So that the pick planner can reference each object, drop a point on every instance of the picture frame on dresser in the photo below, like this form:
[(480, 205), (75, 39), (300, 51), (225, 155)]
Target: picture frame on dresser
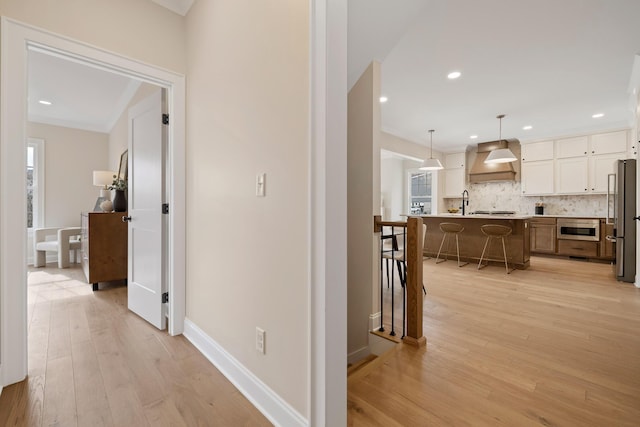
[(123, 168)]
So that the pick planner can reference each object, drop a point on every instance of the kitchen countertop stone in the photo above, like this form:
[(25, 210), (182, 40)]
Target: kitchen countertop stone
[(512, 216), (567, 216), (477, 216)]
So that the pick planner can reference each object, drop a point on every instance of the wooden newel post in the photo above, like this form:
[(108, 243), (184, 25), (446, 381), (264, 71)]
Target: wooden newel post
[(414, 283), (377, 228)]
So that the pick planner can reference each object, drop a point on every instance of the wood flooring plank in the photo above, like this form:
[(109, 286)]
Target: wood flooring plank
[(21, 404), (94, 363), (59, 336), (78, 324), (59, 393), (91, 397), (554, 345), (125, 406)]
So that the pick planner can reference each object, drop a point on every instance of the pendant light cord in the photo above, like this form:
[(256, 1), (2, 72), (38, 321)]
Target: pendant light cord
[(500, 116), (431, 144)]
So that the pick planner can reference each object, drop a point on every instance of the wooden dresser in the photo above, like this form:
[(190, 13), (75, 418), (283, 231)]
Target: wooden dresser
[(104, 247)]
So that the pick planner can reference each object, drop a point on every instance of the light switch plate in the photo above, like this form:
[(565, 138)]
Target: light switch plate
[(261, 181)]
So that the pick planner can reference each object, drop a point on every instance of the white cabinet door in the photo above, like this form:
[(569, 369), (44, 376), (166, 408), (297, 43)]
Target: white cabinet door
[(537, 151), (537, 178), (454, 160), (453, 182), (572, 176), (608, 143), (572, 147), (599, 169)]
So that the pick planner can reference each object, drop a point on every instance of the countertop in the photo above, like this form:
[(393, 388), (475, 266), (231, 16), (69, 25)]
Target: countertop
[(477, 216), (513, 216), (567, 216)]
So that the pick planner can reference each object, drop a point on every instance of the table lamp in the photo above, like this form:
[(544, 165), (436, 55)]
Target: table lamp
[(103, 179)]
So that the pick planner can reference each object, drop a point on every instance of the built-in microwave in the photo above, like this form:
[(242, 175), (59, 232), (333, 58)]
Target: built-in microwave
[(578, 229)]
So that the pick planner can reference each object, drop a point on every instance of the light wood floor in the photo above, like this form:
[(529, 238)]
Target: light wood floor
[(555, 345), (94, 363)]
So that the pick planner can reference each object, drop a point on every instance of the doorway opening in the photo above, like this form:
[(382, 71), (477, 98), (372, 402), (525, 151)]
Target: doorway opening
[(18, 40)]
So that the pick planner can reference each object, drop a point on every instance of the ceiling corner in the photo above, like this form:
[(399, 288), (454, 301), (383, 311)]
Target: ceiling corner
[(181, 7)]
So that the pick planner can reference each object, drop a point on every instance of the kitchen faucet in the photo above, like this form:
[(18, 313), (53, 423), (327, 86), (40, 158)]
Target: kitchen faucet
[(463, 199)]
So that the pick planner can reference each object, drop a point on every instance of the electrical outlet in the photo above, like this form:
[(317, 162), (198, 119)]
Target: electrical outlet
[(260, 343)]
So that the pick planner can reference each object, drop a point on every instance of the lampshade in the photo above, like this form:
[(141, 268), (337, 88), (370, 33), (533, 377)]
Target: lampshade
[(431, 164), (501, 155), (102, 178)]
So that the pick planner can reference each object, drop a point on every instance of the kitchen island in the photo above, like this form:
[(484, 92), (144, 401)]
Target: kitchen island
[(472, 239)]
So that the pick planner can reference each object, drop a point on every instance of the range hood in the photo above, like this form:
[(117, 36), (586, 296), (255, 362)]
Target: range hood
[(483, 172)]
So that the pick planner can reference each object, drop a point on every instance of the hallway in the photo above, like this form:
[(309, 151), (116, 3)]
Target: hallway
[(94, 363)]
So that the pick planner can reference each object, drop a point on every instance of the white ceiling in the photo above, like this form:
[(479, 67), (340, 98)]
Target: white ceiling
[(549, 64), (180, 7), (81, 96), (546, 63)]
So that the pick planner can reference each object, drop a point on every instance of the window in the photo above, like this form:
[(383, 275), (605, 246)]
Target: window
[(422, 186), (35, 183)]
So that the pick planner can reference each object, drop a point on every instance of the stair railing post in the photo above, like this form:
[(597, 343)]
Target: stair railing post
[(413, 258)]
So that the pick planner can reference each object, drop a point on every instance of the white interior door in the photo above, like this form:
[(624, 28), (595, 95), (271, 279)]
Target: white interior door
[(146, 191)]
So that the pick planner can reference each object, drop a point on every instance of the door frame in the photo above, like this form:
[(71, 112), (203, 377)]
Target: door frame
[(16, 38)]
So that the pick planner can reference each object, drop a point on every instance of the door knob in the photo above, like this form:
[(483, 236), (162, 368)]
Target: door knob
[(126, 218)]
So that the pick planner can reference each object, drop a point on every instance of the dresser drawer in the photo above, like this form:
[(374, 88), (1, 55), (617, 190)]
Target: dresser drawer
[(577, 248)]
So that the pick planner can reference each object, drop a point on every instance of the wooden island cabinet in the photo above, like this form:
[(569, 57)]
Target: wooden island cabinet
[(472, 239), (543, 235), (104, 247)]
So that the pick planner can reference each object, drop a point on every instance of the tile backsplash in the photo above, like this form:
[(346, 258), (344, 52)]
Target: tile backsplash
[(505, 196)]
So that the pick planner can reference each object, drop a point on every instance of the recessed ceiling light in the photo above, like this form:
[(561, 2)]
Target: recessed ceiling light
[(473, 136), (528, 127), (383, 99), (44, 102), (598, 115), (454, 75)]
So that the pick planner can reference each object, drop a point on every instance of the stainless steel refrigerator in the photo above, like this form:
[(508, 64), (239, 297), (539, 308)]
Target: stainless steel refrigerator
[(621, 200)]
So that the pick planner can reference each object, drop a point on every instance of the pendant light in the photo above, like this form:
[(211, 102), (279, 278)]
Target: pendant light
[(431, 164), (501, 155)]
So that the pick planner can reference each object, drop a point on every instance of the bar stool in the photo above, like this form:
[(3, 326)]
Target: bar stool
[(450, 229), (495, 231)]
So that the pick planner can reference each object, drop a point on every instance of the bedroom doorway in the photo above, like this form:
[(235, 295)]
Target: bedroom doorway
[(17, 40)]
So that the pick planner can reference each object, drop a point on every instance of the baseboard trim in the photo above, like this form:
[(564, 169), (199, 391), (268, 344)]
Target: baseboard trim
[(358, 355), (272, 406), (374, 321)]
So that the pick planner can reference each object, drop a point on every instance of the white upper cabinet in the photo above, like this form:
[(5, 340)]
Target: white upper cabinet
[(454, 160), (572, 147), (454, 174), (608, 143), (537, 178), (577, 165), (537, 151), (572, 176), (600, 168)]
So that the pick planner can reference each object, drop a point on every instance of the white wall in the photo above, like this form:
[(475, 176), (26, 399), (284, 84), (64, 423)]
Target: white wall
[(138, 29), (392, 184), (418, 151), (363, 202), (248, 113), (119, 135), (71, 156)]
